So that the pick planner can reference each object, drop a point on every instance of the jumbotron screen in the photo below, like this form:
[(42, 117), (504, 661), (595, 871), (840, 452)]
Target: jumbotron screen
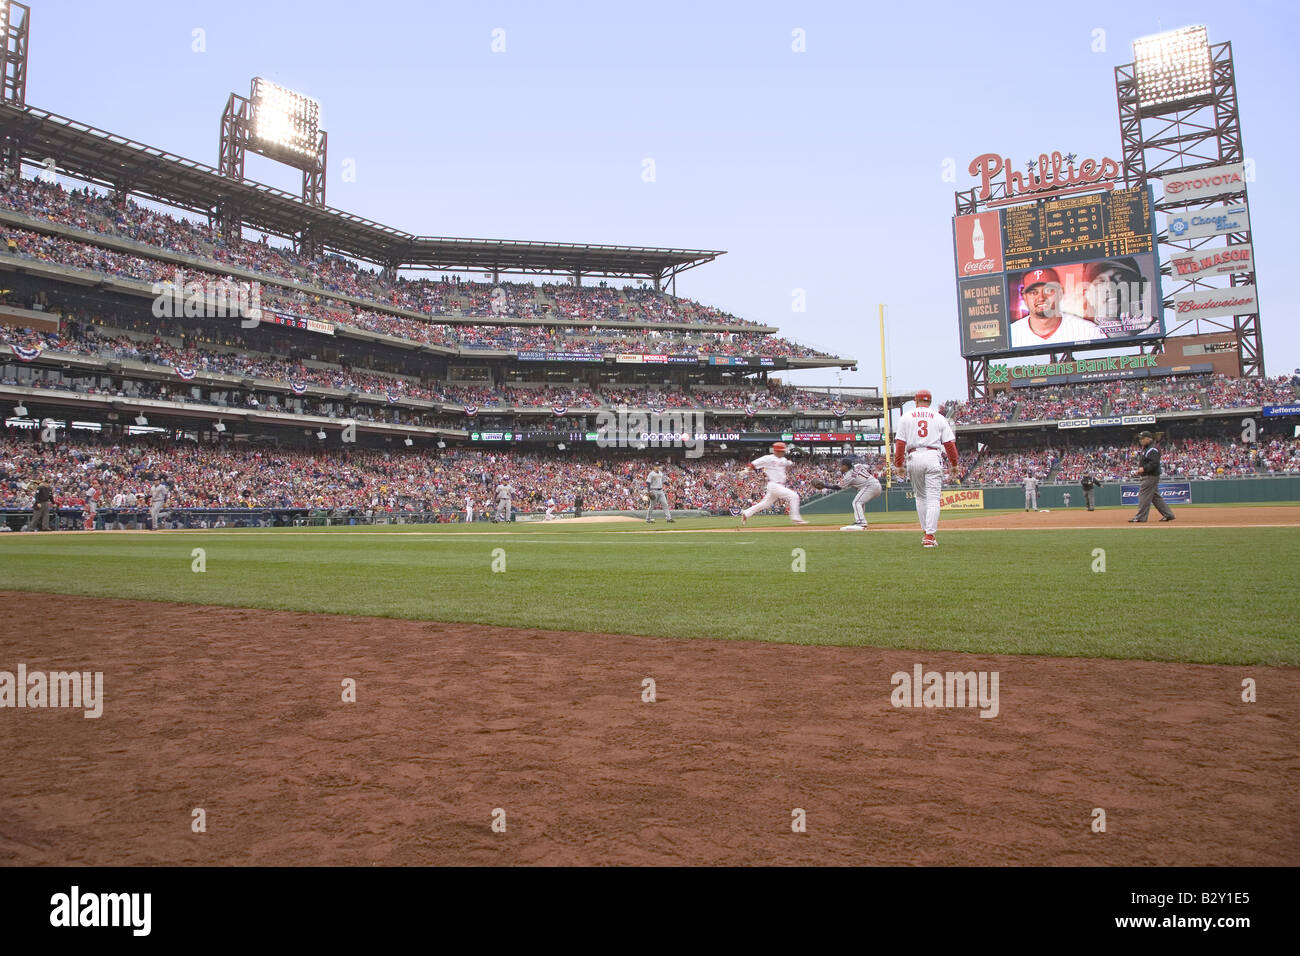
[(1058, 273)]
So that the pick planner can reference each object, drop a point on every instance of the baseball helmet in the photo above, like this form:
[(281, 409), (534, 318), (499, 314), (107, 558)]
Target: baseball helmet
[(849, 460), (923, 396), (778, 446), (1146, 434), (1037, 277)]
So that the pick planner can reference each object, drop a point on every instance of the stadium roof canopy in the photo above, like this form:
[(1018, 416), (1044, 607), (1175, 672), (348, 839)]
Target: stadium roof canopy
[(94, 155)]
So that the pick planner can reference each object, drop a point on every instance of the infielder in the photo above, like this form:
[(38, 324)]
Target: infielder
[(504, 493), (775, 466), (157, 502), (855, 474), (1031, 493), (469, 509), (654, 483), (550, 509), (924, 436)]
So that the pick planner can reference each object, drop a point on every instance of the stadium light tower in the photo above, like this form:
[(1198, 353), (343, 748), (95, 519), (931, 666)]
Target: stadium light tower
[(14, 21), (1178, 113), (282, 125)]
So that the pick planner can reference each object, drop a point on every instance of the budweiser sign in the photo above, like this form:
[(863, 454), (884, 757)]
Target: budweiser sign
[(1204, 183), (1054, 173), (1238, 300), (1213, 262)]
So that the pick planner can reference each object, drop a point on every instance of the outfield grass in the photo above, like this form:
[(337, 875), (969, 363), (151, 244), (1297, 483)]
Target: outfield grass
[(1215, 595)]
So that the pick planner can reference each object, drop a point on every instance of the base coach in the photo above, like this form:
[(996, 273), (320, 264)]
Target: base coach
[(1149, 489)]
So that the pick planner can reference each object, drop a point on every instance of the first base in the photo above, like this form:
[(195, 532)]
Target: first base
[(853, 527)]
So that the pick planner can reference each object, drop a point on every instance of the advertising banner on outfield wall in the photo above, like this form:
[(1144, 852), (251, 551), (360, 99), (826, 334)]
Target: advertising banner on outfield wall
[(1200, 223), (1204, 183), (962, 499), (1174, 493), (1213, 262)]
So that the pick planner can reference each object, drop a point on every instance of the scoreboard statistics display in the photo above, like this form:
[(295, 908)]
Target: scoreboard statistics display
[(1057, 273)]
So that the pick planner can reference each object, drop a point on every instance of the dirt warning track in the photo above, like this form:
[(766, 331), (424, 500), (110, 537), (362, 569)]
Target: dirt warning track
[(239, 712)]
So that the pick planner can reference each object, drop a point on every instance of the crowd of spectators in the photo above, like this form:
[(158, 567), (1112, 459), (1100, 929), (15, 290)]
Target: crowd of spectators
[(87, 209), (107, 343), (1133, 397), (226, 476)]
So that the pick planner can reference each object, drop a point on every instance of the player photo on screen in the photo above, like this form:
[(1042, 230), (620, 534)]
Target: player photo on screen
[(1084, 303)]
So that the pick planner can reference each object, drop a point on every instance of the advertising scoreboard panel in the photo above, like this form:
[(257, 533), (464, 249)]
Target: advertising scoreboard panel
[(1058, 273)]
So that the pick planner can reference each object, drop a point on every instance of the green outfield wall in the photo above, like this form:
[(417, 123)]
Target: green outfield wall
[(1226, 491)]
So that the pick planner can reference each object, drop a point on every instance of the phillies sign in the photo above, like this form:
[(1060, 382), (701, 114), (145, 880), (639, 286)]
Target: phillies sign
[(1204, 183), (1052, 173)]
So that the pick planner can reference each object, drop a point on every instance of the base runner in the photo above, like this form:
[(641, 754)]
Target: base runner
[(925, 437), (856, 474), (775, 466)]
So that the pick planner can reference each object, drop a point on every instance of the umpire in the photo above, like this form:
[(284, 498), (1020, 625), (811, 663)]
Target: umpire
[(1089, 485), (1149, 489)]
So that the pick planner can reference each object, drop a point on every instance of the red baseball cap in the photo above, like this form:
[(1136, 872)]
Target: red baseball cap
[(1037, 277), (778, 446), (923, 395)]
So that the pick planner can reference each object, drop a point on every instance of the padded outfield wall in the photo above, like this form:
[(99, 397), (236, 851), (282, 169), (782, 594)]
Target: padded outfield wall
[(1222, 491)]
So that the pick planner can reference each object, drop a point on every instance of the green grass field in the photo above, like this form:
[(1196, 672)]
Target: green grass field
[(1179, 594)]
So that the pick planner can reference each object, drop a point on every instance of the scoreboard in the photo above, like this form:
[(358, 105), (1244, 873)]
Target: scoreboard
[(1098, 226), (1058, 273)]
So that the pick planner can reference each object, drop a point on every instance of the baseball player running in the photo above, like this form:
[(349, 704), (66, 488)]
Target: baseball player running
[(504, 493), (654, 483), (855, 474), (1031, 493), (775, 466), (925, 436), (157, 502)]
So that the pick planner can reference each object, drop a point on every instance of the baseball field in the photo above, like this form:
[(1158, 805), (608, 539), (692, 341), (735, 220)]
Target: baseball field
[(616, 692)]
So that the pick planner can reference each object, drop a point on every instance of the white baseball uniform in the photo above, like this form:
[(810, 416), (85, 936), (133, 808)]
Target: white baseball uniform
[(550, 509), (1071, 329), (1031, 492), (776, 469), (925, 435), (861, 478), (469, 509)]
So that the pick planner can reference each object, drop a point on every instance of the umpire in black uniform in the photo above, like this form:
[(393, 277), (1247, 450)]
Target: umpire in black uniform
[(1089, 485), (1149, 489)]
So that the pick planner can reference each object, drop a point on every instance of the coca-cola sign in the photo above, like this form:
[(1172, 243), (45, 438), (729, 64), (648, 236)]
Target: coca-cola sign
[(1050, 174), (978, 239)]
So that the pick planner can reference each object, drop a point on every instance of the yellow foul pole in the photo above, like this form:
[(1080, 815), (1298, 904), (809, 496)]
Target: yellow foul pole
[(884, 390)]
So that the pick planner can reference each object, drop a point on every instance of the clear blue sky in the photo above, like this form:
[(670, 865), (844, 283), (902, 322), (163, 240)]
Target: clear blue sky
[(818, 171)]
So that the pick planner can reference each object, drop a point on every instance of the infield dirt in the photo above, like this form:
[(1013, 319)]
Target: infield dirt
[(239, 712)]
